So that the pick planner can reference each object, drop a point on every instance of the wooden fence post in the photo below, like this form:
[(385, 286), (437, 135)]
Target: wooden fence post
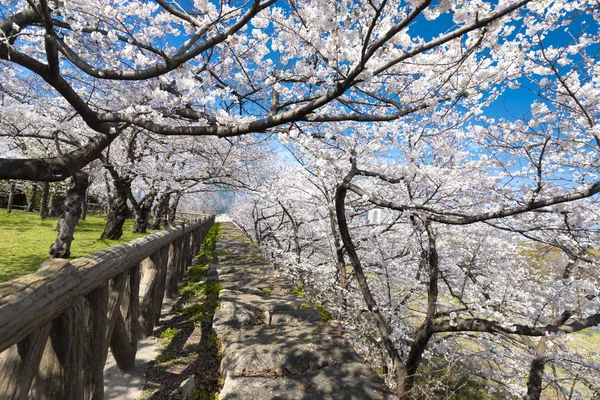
[(60, 374), (123, 342), (172, 275), (94, 368), (19, 364), (147, 284), (160, 259)]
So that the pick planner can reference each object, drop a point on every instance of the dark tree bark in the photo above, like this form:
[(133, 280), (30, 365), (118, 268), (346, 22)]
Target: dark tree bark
[(70, 216), (11, 197), (56, 205), (430, 262), (160, 211), (538, 364), (404, 374), (118, 209), (536, 374), (173, 208), (342, 275), (31, 202), (44, 200), (142, 212), (55, 169), (85, 206)]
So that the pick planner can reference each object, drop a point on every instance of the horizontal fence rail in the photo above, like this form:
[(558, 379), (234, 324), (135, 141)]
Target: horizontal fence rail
[(184, 216), (57, 324)]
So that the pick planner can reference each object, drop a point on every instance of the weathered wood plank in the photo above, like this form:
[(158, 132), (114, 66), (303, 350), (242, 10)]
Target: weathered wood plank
[(96, 344), (64, 316), (185, 251), (123, 341), (133, 307), (179, 265), (19, 364), (195, 244), (160, 260), (172, 272), (69, 344), (60, 375), (146, 297), (122, 348), (116, 291), (189, 258), (197, 240)]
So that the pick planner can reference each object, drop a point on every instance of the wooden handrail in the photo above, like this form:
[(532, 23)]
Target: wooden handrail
[(185, 216), (62, 319)]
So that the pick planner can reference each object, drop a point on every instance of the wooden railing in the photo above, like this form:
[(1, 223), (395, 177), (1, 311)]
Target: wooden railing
[(57, 324), (183, 216)]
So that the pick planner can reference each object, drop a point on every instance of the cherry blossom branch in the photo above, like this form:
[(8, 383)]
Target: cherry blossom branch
[(393, 31), (483, 325), (179, 14), (479, 23), (462, 219), (303, 112), (162, 68), (130, 40), (54, 169), (360, 117)]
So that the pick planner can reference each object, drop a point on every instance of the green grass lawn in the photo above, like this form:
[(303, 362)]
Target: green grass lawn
[(25, 241)]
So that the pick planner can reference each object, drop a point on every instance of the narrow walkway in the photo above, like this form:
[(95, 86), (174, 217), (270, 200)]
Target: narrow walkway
[(119, 385), (273, 345)]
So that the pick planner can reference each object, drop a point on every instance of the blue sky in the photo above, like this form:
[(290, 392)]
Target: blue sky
[(513, 103)]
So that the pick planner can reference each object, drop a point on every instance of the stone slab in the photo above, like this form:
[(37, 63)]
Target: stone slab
[(349, 381), (283, 350)]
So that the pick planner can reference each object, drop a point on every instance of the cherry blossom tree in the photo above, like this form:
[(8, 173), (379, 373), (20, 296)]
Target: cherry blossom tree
[(467, 279), (326, 62), (390, 105), (469, 195)]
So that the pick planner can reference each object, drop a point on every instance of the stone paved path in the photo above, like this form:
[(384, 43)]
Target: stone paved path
[(274, 347)]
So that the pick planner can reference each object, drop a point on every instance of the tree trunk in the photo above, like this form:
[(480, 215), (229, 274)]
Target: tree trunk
[(56, 205), (85, 206), (11, 197), (429, 262), (44, 200), (118, 210), (382, 325), (536, 374), (342, 273), (31, 202), (295, 228), (406, 378), (70, 216), (173, 208), (142, 213), (161, 210)]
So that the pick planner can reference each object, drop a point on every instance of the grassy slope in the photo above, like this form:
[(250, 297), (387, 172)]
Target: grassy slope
[(25, 241)]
